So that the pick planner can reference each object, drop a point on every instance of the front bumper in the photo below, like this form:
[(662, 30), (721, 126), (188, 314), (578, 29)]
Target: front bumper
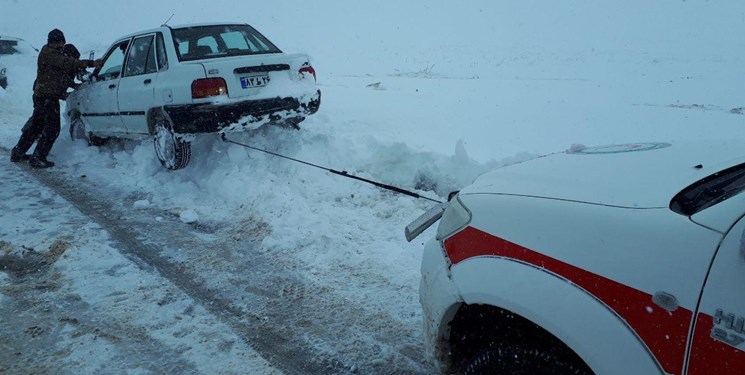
[(440, 301), (210, 117)]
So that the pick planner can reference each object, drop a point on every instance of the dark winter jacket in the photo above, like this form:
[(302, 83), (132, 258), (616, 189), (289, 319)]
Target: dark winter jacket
[(53, 72)]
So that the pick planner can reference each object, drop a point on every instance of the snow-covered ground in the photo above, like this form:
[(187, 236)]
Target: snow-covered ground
[(424, 95)]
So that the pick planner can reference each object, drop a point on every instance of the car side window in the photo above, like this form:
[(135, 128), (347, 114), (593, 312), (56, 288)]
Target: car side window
[(141, 57), (162, 56), (112, 65)]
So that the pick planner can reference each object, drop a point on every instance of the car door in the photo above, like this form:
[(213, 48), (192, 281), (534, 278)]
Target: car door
[(718, 345), (137, 86), (99, 104)]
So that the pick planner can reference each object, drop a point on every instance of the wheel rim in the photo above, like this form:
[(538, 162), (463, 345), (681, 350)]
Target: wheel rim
[(165, 145)]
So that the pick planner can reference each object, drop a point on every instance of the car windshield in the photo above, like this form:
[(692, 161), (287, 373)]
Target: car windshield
[(710, 191), (207, 42)]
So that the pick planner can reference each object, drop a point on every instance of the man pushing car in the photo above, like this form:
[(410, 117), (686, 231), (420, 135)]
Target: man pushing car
[(52, 81)]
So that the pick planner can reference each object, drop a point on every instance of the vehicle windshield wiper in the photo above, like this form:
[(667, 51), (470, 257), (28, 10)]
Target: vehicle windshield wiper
[(712, 190)]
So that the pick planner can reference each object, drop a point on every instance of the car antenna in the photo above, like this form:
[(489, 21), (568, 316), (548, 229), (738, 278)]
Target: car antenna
[(169, 18), (27, 42)]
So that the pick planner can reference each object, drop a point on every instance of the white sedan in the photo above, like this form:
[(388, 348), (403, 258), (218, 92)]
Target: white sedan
[(170, 83), (625, 259)]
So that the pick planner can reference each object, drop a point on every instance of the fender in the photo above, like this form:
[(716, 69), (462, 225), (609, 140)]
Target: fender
[(600, 337), (617, 258)]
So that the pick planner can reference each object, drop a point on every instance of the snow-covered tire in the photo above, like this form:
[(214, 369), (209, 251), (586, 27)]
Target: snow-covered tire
[(173, 151), (511, 359), (78, 133)]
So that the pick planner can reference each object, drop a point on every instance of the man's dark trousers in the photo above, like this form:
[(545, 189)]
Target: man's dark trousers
[(46, 122)]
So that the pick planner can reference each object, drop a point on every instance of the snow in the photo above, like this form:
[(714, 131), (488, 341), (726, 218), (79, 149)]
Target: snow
[(141, 204), (424, 95), (189, 216)]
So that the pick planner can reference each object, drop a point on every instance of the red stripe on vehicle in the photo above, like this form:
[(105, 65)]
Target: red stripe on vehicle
[(712, 356), (665, 333)]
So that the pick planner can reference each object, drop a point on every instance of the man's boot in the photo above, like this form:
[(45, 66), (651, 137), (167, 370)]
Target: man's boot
[(35, 162), (16, 155)]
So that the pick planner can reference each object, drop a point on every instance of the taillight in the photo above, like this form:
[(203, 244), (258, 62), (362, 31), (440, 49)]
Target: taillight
[(206, 87), (307, 69)]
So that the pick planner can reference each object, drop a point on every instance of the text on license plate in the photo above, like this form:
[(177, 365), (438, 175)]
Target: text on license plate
[(254, 81)]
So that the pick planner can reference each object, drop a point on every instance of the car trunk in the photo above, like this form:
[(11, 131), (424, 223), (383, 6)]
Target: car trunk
[(253, 75)]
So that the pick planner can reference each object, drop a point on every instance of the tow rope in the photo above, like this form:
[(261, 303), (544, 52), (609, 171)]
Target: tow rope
[(340, 173)]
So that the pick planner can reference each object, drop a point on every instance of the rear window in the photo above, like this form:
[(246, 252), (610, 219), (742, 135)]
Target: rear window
[(709, 191), (207, 42), (8, 47)]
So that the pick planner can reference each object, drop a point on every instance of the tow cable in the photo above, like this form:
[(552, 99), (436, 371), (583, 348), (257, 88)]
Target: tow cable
[(340, 173), (414, 229)]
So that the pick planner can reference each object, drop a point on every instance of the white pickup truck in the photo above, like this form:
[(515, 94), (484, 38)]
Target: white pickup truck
[(624, 259)]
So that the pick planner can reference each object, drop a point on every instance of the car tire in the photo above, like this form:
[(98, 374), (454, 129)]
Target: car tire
[(173, 151), (78, 133), (513, 359)]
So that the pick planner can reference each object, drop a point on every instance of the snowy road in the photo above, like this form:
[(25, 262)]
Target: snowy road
[(287, 269), (266, 301)]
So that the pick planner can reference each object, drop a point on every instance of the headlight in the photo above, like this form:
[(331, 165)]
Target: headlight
[(455, 218)]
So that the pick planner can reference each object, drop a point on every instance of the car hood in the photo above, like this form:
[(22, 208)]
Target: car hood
[(638, 175)]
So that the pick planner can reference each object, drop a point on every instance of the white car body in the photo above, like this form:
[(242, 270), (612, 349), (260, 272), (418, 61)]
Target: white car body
[(170, 82), (585, 245)]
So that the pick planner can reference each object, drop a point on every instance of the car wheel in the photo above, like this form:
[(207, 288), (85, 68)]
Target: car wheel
[(512, 359), (78, 133), (173, 151)]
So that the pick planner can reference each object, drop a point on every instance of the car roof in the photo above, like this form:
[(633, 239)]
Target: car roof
[(638, 175), (168, 27)]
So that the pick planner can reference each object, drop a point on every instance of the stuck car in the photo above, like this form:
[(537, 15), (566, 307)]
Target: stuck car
[(172, 83), (624, 259)]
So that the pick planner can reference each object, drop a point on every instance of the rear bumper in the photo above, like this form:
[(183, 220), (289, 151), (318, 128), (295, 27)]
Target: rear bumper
[(210, 118)]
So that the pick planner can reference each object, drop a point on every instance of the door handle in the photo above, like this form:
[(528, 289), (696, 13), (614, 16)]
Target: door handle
[(111, 86), (147, 81)]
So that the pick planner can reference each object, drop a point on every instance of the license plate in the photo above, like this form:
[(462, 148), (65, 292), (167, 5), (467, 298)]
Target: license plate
[(254, 81)]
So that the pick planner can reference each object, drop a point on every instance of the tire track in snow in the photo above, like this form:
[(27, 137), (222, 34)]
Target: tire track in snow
[(282, 315)]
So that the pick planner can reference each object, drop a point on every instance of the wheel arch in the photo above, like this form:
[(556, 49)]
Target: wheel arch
[(476, 328), (521, 298)]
